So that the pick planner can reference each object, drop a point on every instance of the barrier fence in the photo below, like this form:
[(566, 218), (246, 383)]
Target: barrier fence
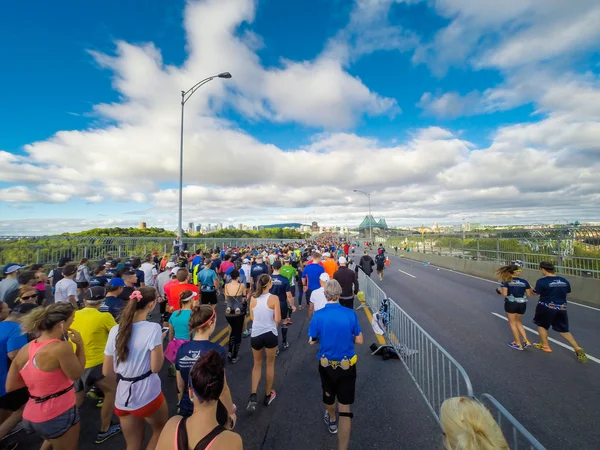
[(437, 375), (573, 250), (49, 250)]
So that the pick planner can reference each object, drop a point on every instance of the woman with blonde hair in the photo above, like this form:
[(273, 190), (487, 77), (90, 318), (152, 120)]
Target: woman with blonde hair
[(468, 425), (515, 291)]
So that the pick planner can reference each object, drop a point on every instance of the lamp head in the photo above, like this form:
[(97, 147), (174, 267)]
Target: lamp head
[(224, 75)]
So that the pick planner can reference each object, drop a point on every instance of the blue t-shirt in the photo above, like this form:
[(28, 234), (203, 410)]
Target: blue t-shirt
[(553, 289), (312, 272), (280, 287), (115, 305), (140, 277), (11, 339), (335, 326), (196, 261), (180, 321), (99, 281), (206, 279), (216, 265), (517, 288), (187, 355), (257, 270)]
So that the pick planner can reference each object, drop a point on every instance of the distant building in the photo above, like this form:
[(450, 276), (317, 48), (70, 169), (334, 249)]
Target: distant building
[(208, 228), (457, 228), (142, 225), (240, 226), (315, 227), (198, 228), (219, 226)]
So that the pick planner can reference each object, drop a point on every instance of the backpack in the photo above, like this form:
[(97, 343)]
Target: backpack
[(293, 257)]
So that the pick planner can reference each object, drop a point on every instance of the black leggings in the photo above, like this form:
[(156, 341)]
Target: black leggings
[(236, 322)]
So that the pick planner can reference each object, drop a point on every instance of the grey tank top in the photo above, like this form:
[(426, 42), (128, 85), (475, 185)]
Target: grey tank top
[(234, 303)]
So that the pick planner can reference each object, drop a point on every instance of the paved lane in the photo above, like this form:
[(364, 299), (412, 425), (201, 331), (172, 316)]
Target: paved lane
[(556, 398), (390, 414)]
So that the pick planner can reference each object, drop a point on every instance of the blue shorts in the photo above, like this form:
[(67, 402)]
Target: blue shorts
[(56, 427)]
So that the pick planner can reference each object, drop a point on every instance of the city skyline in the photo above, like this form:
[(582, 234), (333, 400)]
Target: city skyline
[(441, 111)]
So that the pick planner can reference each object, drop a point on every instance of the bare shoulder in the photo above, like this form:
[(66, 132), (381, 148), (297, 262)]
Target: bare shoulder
[(22, 356), (228, 440)]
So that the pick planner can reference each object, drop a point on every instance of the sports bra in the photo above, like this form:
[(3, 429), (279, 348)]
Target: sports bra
[(181, 437)]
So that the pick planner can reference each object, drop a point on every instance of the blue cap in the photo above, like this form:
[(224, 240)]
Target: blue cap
[(11, 268), (116, 282)]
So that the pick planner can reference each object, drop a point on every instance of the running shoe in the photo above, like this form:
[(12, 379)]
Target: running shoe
[(331, 426), (113, 430), (252, 403), (581, 356), (246, 333), (234, 360), (100, 403), (286, 345), (526, 344), (269, 398), (277, 352), (95, 393), (516, 346), (300, 307), (541, 347)]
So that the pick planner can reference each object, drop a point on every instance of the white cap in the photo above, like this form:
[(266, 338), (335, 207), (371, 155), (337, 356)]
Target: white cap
[(343, 260), (327, 255), (175, 270), (324, 277), (246, 260), (170, 265)]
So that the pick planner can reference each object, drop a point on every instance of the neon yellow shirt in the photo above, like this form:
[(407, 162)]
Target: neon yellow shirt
[(93, 326)]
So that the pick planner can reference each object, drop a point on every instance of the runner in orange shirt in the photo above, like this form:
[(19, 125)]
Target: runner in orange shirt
[(176, 289), (329, 264)]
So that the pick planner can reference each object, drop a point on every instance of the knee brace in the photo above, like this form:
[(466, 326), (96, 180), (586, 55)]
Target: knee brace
[(346, 414)]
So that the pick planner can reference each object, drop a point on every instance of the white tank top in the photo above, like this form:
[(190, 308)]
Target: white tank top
[(264, 317)]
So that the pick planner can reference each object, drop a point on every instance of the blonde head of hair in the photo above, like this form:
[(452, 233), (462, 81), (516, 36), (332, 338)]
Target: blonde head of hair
[(468, 425)]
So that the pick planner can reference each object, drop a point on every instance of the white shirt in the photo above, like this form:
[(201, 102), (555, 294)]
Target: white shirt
[(150, 273), (246, 268), (145, 336), (264, 317), (317, 298), (65, 288)]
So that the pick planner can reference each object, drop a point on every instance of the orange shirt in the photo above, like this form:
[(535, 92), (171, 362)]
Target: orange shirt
[(330, 267), (176, 290)]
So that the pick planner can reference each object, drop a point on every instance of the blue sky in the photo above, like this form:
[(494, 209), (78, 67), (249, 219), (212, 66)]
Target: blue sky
[(443, 109)]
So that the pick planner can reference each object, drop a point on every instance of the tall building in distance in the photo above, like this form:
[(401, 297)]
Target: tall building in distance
[(190, 228), (219, 226), (240, 226), (198, 228), (142, 225), (208, 228)]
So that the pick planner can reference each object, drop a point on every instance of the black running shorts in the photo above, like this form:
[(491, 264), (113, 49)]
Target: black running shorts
[(515, 308), (208, 298), (338, 384), (545, 317), (265, 340)]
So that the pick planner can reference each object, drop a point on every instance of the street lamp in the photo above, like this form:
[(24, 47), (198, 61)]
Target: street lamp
[(368, 195), (185, 96)]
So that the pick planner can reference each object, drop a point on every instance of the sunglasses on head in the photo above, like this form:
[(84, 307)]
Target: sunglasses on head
[(27, 297)]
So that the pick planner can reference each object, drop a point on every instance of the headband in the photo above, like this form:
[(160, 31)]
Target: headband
[(208, 321), (187, 299), (136, 295)]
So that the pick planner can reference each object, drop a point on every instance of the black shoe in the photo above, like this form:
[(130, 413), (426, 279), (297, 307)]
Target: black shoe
[(252, 403), (269, 398)]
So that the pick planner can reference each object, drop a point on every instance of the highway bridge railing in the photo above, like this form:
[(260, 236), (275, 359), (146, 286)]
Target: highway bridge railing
[(437, 375), (574, 250), (49, 250)]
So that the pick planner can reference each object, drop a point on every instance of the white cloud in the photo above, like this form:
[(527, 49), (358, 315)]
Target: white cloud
[(450, 104)]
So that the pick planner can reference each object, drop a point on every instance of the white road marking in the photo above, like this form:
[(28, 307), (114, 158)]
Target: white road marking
[(406, 273), (497, 283), (568, 347)]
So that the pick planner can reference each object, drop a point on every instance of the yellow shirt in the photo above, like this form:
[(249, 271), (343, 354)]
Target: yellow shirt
[(93, 326)]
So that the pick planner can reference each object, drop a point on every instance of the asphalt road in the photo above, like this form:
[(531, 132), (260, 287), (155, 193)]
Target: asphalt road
[(555, 397), (389, 412)]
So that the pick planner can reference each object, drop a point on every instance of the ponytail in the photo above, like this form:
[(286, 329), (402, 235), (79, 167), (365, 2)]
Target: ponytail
[(44, 318), (261, 284), (137, 301), (203, 316), (505, 273), (184, 298)]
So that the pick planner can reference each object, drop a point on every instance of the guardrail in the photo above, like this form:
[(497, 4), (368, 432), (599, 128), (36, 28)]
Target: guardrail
[(573, 250), (437, 375), (515, 433), (49, 250)]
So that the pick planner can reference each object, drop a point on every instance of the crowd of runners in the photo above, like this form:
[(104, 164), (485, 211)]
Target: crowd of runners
[(106, 332)]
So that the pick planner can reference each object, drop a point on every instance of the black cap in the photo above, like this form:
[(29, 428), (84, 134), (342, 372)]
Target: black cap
[(95, 293), (63, 261)]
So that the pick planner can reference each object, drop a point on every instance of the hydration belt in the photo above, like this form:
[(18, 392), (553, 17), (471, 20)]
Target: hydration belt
[(512, 299), (133, 380), (56, 394), (551, 305), (344, 364)]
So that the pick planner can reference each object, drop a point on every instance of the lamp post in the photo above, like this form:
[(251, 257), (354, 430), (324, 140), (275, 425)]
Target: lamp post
[(185, 96), (368, 195)]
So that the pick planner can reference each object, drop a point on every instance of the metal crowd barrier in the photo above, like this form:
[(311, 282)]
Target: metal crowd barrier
[(514, 432), (437, 375)]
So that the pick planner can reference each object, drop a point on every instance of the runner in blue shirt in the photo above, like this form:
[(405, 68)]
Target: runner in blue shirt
[(336, 329), (515, 291), (310, 276), (551, 309)]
